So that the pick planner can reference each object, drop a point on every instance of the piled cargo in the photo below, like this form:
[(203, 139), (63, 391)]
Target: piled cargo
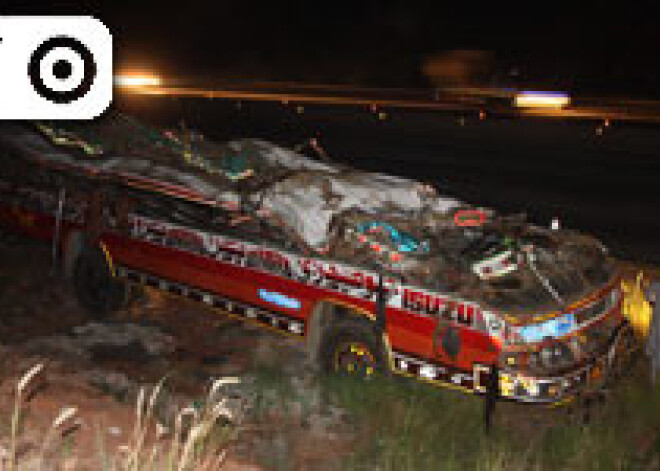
[(379, 221)]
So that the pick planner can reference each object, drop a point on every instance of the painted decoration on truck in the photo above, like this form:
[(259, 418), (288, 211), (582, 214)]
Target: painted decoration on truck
[(329, 275)]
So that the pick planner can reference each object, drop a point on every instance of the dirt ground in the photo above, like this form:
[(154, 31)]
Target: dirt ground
[(36, 303)]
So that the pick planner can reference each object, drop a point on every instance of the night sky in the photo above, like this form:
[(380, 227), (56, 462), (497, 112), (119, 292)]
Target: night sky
[(601, 49)]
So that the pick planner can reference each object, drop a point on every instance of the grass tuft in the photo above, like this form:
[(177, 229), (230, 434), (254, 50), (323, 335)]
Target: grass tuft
[(198, 442), (405, 425)]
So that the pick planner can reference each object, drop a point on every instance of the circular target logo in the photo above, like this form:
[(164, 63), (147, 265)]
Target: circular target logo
[(62, 69)]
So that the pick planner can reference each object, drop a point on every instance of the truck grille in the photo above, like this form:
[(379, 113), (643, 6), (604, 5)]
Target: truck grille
[(597, 308), (564, 354)]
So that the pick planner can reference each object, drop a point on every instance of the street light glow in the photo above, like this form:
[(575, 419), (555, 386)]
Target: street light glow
[(137, 80)]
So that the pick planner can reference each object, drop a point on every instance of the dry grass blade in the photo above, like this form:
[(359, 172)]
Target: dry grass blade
[(213, 461), (155, 450), (191, 411), (221, 410), (218, 383), (219, 459), (154, 395), (27, 377), (65, 414), (144, 414), (175, 446), (139, 410), (190, 454), (161, 431), (195, 434), (190, 447), (18, 406)]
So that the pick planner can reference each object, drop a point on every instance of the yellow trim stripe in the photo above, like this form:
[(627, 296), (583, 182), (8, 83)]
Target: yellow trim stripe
[(108, 259)]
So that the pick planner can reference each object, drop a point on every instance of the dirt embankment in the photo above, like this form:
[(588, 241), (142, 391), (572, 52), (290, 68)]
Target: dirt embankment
[(100, 366)]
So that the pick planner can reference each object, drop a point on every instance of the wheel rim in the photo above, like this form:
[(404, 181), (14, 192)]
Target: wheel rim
[(354, 358)]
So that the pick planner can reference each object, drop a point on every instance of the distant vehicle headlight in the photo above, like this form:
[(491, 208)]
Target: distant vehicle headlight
[(529, 99)]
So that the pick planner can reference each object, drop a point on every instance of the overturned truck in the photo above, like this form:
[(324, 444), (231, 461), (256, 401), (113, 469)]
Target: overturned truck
[(372, 272)]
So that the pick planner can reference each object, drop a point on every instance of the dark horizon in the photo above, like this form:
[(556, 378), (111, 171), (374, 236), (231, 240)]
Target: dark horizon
[(601, 51)]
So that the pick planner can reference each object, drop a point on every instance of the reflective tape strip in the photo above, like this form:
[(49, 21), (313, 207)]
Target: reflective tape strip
[(255, 314), (435, 373)]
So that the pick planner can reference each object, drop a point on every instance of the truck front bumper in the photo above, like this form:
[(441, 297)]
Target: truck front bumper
[(589, 376)]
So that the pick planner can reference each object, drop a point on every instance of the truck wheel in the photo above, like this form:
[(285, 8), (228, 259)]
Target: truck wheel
[(95, 287), (352, 348)]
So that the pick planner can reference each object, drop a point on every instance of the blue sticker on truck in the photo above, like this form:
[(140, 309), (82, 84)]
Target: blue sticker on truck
[(557, 327), (279, 299)]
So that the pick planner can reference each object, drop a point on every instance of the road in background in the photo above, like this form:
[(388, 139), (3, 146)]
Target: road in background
[(596, 173)]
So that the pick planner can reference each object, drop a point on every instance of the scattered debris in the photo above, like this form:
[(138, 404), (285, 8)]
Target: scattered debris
[(145, 340), (96, 341)]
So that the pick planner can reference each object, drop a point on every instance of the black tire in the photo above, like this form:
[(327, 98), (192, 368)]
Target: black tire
[(97, 290), (353, 348)]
